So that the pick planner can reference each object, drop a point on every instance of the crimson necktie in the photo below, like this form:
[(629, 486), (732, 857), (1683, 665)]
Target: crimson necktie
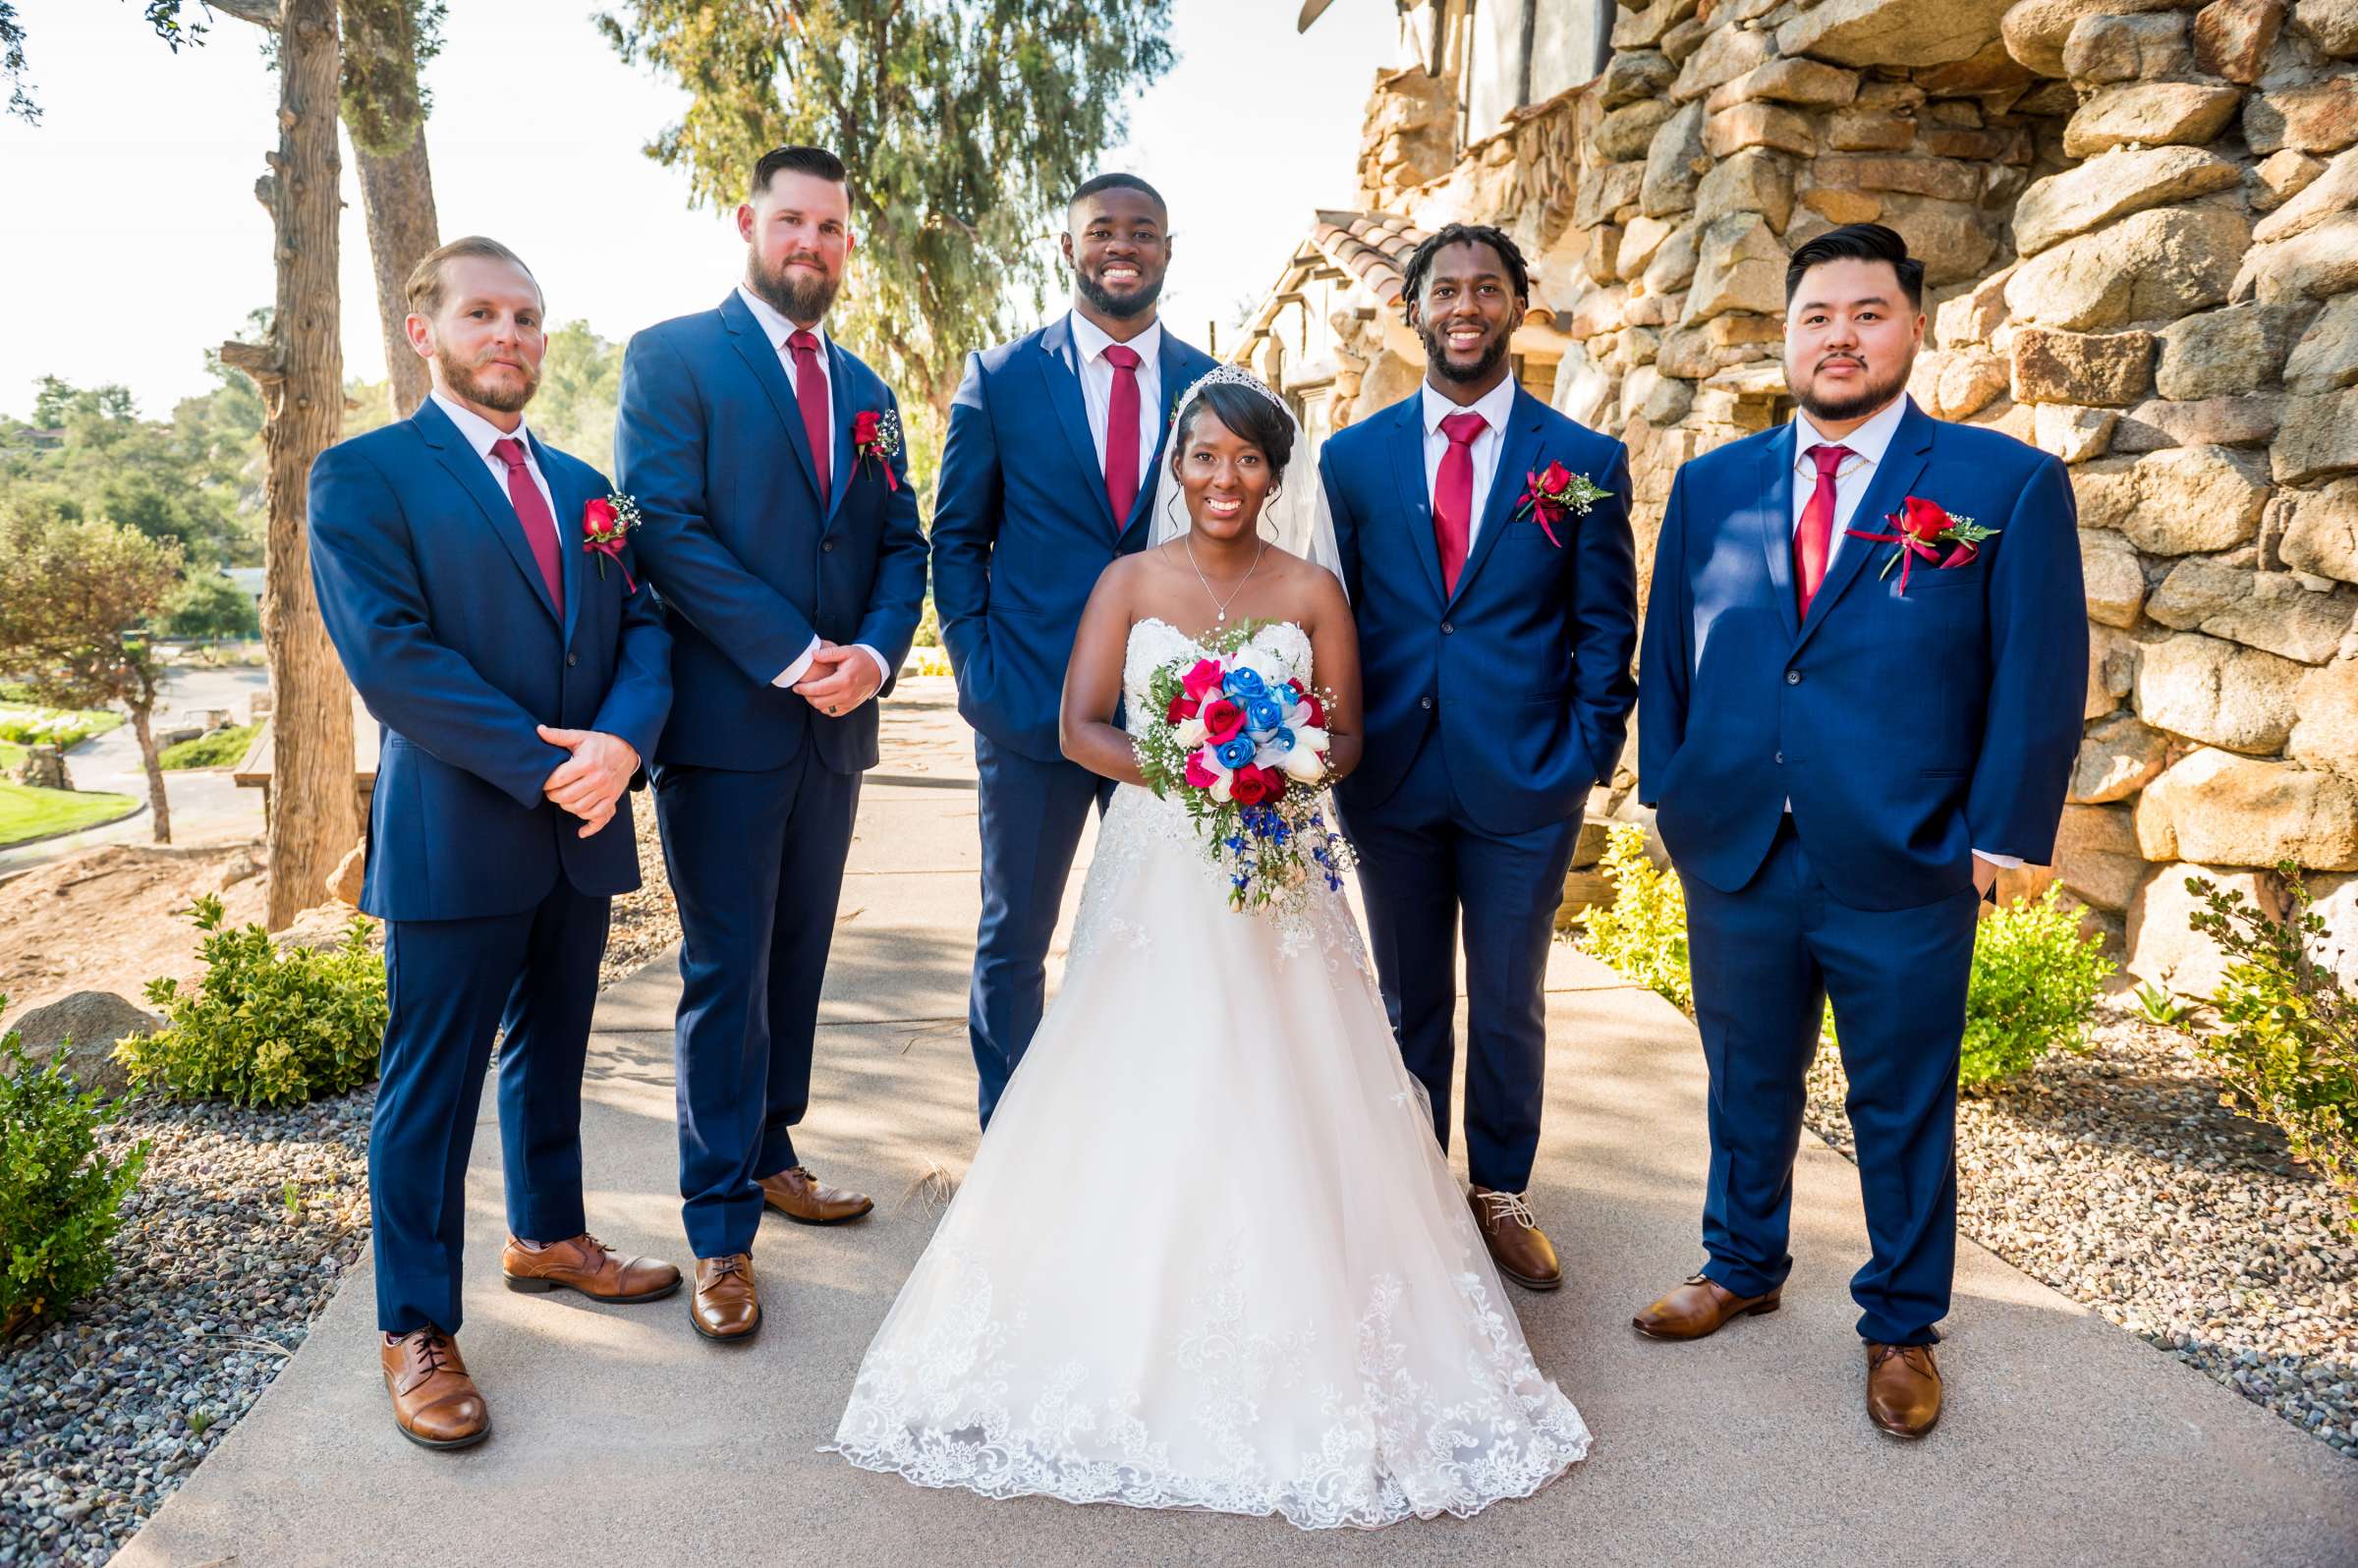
[(1813, 541), (810, 394), (532, 510), (1453, 495), (1121, 434)]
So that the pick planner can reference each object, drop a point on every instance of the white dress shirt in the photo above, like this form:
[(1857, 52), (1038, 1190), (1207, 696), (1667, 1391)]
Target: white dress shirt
[(779, 328), (482, 434), (1496, 406), (1868, 444), (1090, 344)]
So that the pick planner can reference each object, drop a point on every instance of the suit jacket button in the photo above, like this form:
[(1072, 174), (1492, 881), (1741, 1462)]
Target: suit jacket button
[(1780, 759), (827, 546), (571, 659), (1425, 701), (1792, 676), (1446, 629)]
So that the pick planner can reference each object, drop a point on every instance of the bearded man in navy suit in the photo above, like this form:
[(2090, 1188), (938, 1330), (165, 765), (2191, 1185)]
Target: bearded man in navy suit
[(521, 681), (1494, 632), (782, 535), (1048, 475), (1864, 657)]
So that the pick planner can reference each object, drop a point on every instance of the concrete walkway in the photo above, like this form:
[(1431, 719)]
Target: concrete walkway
[(619, 1437)]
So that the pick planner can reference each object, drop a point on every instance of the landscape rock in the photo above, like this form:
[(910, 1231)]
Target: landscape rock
[(2195, 499), (2320, 437), (2097, 855), (2037, 30), (2157, 422), (1893, 33), (2333, 189), (2216, 692), (1750, 182), (1627, 131), (2074, 434), (2117, 758), (2326, 357), (1741, 267), (2325, 728), (2332, 24), (2112, 660), (2167, 952), (2319, 261), (1968, 379), (2155, 265), (2114, 185), (2322, 535), (2267, 610), (2282, 175), (89, 1025), (2221, 353), (1726, 53), (1634, 74), (2054, 367), (2112, 578), (2225, 810), (2151, 113), (2232, 37), (1759, 125), (2317, 117), (1808, 84), (322, 928), (1675, 161)]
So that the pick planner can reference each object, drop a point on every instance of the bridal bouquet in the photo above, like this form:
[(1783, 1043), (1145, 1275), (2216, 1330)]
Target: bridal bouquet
[(1243, 746)]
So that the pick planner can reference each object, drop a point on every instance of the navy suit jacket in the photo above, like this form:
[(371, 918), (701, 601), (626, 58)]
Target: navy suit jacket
[(440, 612), (751, 561), (1022, 529), (1907, 729), (1525, 668)]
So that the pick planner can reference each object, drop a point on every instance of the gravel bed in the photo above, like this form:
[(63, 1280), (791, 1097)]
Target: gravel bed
[(217, 1277), (647, 921), (2119, 1178)]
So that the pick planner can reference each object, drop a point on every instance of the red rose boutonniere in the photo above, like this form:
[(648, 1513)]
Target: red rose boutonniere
[(605, 523), (1920, 528), (1553, 494), (879, 436)]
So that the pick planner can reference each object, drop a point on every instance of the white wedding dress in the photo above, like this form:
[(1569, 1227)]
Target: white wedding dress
[(1209, 1255)]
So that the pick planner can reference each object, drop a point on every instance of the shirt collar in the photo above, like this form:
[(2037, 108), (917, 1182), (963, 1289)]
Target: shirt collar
[(775, 325), (480, 432), (1868, 441), (1496, 405), (1093, 340)]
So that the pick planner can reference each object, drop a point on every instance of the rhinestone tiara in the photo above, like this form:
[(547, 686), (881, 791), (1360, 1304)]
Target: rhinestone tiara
[(1230, 375)]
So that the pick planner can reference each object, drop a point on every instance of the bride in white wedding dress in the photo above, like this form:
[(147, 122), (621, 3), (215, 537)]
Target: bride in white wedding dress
[(1209, 1255)]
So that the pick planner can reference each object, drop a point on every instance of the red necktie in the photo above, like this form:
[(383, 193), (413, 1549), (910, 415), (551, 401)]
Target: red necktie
[(1813, 540), (532, 510), (810, 394), (1121, 434), (1453, 495)]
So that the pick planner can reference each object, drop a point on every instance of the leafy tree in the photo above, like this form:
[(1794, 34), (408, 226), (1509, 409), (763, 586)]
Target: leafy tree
[(166, 480), (76, 596), (209, 607), (966, 123)]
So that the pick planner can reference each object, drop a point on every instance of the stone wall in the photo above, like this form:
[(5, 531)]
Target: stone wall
[(2140, 224)]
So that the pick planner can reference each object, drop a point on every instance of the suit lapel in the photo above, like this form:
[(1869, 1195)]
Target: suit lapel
[(1415, 504), (761, 357), (1772, 521), (1519, 453), (843, 404), (465, 465), (568, 503), (1063, 387), (1894, 477)]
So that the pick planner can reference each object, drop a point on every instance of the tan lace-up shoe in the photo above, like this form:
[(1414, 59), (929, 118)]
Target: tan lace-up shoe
[(1904, 1389), (1698, 1308), (1517, 1245), (435, 1404), (726, 1306), (585, 1263), (801, 1197)]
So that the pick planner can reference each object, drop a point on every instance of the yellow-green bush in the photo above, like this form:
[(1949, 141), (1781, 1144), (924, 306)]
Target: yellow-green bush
[(61, 1200)]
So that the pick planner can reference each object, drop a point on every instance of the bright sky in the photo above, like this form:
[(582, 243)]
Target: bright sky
[(130, 241)]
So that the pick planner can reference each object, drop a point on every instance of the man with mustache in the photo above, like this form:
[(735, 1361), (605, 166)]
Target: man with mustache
[(1864, 657), (1495, 634), (1046, 476), (782, 535), (520, 685)]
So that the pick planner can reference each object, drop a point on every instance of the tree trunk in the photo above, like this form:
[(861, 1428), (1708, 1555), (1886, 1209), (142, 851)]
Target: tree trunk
[(314, 817), (142, 725), (384, 111), (398, 193)]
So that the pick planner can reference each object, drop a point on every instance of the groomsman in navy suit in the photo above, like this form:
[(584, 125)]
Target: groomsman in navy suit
[(521, 681), (1048, 475), (1494, 637), (1847, 735), (782, 535)]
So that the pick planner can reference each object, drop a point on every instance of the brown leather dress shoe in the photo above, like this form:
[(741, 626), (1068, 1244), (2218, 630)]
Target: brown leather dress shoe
[(1701, 1307), (435, 1404), (801, 1198), (585, 1263), (1517, 1245), (1904, 1389), (725, 1305)]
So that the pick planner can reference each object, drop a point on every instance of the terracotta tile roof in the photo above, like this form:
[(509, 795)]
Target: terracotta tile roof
[(1373, 246)]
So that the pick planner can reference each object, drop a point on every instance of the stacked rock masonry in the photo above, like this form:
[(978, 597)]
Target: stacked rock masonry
[(2140, 227)]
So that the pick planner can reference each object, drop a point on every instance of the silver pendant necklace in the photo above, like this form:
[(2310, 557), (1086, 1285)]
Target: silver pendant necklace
[(1218, 603)]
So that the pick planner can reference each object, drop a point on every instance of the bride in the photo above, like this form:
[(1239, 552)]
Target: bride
[(1209, 1255)]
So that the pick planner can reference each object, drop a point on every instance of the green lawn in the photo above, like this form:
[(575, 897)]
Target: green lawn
[(11, 754), (30, 814), (221, 748)]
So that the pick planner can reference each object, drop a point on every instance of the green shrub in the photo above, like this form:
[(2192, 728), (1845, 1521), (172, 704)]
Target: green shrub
[(223, 748), (209, 606), (1642, 932), (62, 727), (266, 1025), (2035, 983), (61, 1200), (2286, 1047)]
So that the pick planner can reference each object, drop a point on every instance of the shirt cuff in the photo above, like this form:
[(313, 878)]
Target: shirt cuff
[(2004, 863), (794, 672), (883, 670)]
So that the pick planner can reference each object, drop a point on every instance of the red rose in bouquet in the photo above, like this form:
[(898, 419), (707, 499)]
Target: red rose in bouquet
[(1223, 719), (1249, 786), (1183, 706)]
